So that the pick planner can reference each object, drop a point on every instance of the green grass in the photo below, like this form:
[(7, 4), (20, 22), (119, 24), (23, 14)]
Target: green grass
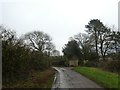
[(37, 79), (103, 78)]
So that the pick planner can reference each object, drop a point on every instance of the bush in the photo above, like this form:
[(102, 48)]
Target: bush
[(111, 65), (18, 62), (91, 64)]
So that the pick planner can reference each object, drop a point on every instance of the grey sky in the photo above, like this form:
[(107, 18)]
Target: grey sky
[(61, 19)]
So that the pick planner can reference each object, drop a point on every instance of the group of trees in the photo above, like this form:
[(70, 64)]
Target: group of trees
[(24, 55), (105, 40), (99, 41), (35, 50)]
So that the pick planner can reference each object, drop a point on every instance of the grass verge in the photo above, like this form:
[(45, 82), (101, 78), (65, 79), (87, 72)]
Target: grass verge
[(37, 79), (103, 78)]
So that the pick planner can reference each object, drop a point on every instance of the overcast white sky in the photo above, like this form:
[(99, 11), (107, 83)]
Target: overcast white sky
[(61, 19)]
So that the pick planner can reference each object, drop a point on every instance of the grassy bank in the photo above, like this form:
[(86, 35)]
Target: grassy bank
[(103, 78), (37, 79)]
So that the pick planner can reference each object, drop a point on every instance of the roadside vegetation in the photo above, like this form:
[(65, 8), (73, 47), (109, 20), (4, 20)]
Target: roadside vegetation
[(37, 79), (97, 52), (34, 53), (106, 79), (98, 47), (24, 56)]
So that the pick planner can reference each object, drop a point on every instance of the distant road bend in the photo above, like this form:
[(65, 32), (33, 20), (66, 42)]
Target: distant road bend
[(67, 78)]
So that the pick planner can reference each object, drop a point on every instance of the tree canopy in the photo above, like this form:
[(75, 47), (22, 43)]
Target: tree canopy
[(39, 41), (72, 50)]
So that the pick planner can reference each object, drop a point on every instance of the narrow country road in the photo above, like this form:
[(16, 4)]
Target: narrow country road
[(67, 78)]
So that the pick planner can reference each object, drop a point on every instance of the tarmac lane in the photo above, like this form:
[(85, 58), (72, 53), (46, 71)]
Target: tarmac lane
[(67, 79)]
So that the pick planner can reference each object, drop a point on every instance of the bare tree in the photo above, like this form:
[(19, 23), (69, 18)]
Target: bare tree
[(86, 44), (38, 40), (82, 39), (8, 35)]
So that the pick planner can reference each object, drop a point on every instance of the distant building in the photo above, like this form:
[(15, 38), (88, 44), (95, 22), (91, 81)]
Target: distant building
[(73, 63)]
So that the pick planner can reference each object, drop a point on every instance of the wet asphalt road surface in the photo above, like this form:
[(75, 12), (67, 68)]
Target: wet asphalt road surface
[(65, 78)]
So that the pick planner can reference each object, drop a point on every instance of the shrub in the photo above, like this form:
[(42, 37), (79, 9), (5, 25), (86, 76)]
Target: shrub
[(112, 65), (91, 64)]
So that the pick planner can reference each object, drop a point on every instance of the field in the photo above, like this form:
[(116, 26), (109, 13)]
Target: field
[(103, 78)]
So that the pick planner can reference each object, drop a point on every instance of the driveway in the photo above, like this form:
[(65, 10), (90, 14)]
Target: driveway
[(67, 78)]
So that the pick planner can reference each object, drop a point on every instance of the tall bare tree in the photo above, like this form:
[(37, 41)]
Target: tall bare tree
[(38, 40)]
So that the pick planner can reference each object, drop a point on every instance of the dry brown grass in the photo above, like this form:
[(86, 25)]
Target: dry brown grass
[(37, 79)]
